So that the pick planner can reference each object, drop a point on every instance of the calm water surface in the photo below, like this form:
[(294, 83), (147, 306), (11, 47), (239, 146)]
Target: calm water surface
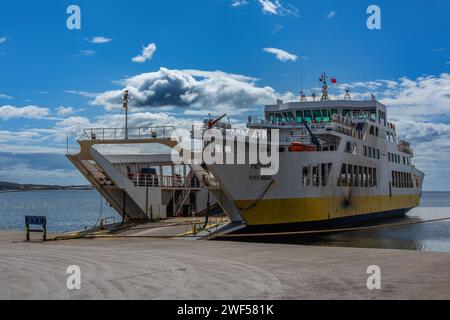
[(431, 236), (75, 210), (65, 210)]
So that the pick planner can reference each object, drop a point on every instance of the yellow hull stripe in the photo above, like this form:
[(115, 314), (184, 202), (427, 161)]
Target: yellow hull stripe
[(278, 211)]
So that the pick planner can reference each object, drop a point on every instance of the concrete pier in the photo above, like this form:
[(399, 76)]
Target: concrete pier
[(183, 269)]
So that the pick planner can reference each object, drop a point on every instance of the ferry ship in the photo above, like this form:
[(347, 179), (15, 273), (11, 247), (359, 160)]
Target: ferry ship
[(341, 163)]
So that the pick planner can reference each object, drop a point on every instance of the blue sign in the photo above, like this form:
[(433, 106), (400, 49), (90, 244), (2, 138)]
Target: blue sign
[(33, 220)]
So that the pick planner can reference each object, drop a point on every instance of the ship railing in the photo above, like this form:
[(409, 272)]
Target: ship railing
[(158, 181), (256, 119), (138, 133), (341, 125), (351, 132), (297, 137), (239, 133)]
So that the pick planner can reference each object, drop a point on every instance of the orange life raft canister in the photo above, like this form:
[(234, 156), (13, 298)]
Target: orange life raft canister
[(301, 147)]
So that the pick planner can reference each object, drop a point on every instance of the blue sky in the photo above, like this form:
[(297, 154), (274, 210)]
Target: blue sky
[(55, 81)]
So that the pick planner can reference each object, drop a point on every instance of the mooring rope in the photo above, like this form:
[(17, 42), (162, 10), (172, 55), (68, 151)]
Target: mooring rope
[(243, 235), (260, 197), (392, 225)]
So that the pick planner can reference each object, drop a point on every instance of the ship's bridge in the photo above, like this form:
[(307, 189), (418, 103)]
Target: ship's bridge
[(293, 113)]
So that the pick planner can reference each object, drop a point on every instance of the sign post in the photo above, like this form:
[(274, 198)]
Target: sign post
[(36, 221)]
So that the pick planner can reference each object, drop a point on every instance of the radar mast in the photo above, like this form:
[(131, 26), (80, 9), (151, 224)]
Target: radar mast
[(323, 80)]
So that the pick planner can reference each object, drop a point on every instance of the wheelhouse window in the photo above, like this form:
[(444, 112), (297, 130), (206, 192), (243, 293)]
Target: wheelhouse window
[(373, 114), (290, 117), (278, 118), (308, 116), (299, 114), (317, 115), (326, 116), (382, 118)]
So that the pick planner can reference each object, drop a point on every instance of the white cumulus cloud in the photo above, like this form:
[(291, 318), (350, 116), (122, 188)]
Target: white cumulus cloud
[(275, 7), (100, 40), (31, 112), (147, 54), (190, 89), (281, 54), (65, 111)]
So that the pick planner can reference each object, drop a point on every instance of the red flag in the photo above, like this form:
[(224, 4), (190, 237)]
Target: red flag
[(333, 80)]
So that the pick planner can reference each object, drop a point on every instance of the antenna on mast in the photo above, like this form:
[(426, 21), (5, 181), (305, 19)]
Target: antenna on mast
[(347, 95), (302, 94), (323, 79), (125, 106)]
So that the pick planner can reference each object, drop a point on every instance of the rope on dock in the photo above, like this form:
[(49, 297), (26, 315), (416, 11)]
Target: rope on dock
[(243, 235), (324, 231)]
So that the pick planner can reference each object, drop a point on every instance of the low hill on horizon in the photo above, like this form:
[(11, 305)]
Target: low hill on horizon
[(11, 186)]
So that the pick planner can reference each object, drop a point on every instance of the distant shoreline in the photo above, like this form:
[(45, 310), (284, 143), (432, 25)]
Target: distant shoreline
[(42, 190), (16, 187)]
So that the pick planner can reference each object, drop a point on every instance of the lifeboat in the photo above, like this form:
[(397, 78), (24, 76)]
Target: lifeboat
[(302, 147)]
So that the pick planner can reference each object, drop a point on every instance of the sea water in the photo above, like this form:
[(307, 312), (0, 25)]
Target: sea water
[(77, 210)]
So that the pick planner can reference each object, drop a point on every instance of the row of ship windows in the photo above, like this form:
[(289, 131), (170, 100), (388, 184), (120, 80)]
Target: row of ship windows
[(302, 115), (320, 115), (374, 131), (316, 175), (375, 154), (324, 115), (371, 152), (368, 151), (357, 176), (397, 159), (402, 180), (393, 157), (351, 176)]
